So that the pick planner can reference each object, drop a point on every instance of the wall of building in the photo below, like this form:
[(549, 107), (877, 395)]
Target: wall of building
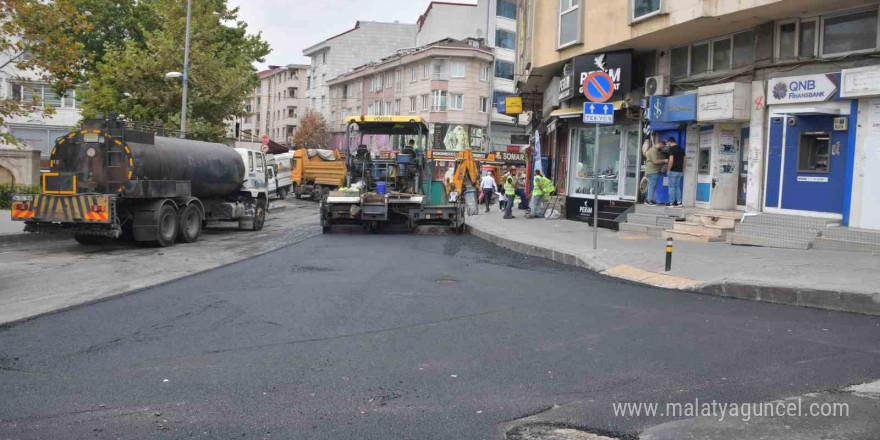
[(281, 91), (23, 165), (443, 20), (367, 42)]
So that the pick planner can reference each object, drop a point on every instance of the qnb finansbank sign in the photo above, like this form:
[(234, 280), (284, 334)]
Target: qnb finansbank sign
[(807, 88)]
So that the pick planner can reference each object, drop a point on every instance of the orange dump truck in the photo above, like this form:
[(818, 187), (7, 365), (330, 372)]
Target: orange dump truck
[(316, 172)]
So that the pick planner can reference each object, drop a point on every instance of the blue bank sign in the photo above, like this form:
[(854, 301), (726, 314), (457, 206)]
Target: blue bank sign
[(799, 89), (673, 109)]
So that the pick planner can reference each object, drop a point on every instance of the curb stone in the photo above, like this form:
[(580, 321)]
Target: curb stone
[(839, 301)]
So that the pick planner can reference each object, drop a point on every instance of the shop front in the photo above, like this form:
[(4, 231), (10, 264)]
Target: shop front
[(723, 114), (671, 117), (811, 139), (861, 83)]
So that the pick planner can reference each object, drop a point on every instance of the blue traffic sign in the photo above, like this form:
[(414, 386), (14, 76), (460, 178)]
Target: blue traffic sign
[(598, 113)]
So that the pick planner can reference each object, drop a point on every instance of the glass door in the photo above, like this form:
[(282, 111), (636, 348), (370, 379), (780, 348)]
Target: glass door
[(630, 163), (742, 186)]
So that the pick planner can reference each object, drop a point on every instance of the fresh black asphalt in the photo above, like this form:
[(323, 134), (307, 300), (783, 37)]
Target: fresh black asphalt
[(353, 336)]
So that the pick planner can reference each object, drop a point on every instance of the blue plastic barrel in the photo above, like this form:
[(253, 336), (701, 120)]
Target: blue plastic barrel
[(380, 187)]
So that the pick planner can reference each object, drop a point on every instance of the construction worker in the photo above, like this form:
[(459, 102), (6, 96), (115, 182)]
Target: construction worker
[(539, 190), (510, 185)]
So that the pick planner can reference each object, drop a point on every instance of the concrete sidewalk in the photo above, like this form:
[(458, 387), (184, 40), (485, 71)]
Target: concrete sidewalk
[(831, 280), (7, 226)]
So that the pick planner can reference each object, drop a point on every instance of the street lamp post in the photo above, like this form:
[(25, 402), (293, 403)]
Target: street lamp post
[(185, 70)]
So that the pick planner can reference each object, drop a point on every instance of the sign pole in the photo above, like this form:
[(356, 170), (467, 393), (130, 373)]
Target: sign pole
[(596, 191)]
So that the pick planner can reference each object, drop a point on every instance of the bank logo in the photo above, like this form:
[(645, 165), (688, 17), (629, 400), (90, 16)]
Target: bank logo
[(780, 90)]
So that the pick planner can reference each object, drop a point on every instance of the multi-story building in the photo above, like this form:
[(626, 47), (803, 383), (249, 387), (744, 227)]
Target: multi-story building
[(447, 83), (773, 100), (276, 105), (496, 22), (367, 41)]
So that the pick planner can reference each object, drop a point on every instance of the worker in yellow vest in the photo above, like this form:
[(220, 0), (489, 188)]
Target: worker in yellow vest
[(541, 189), (509, 192)]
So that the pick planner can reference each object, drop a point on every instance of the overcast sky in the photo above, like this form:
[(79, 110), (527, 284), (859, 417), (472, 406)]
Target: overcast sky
[(293, 25)]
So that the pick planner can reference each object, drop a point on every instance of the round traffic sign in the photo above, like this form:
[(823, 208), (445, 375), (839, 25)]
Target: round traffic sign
[(598, 87)]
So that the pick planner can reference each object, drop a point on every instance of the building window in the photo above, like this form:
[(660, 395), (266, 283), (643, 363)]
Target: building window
[(388, 79), (807, 39), (413, 74), (426, 71), (744, 48), (398, 79), (786, 40), (456, 101), (721, 53), (458, 69), (438, 100), (503, 69), (854, 32), (484, 104), (506, 9), (412, 104), (323, 57), (700, 58), (440, 69), (645, 8), (569, 22), (425, 100), (388, 109), (345, 91), (42, 95), (813, 152), (396, 110), (484, 73), (505, 39)]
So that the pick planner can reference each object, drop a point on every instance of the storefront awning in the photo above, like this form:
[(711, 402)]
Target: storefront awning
[(576, 112)]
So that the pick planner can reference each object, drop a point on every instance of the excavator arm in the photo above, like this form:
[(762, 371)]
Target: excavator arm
[(465, 168)]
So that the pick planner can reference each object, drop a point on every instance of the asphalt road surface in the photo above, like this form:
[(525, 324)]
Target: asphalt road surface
[(353, 336)]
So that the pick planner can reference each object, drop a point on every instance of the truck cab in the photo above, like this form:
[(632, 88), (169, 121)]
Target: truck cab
[(256, 177)]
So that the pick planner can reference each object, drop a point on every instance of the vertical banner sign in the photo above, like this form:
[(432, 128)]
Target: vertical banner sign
[(538, 164)]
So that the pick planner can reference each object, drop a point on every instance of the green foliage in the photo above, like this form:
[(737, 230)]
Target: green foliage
[(130, 79), (6, 192)]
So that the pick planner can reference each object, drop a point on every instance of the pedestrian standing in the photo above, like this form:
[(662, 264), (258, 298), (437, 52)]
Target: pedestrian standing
[(653, 164), (510, 185), (489, 187), (677, 160), (521, 191)]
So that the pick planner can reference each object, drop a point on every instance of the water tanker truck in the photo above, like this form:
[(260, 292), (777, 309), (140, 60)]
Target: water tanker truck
[(106, 181)]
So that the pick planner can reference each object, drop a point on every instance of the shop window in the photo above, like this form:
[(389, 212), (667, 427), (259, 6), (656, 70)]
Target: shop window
[(679, 58), (705, 160), (814, 152), (849, 33), (644, 9), (700, 59)]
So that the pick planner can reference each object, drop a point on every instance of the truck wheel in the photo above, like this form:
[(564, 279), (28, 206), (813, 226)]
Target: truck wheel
[(259, 214), (168, 226), (282, 193), (90, 240), (297, 191), (190, 223)]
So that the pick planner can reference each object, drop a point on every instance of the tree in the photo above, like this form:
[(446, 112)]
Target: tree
[(313, 131), (42, 36), (130, 79)]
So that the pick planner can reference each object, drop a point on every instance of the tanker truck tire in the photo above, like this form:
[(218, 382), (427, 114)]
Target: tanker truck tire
[(168, 226), (190, 224), (259, 217)]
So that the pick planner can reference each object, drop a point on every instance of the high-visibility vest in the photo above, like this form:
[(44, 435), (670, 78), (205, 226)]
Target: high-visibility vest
[(508, 186), (549, 187), (538, 189)]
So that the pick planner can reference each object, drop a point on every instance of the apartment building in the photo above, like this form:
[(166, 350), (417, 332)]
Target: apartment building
[(447, 83), (770, 98), (367, 41), (276, 105), (495, 21)]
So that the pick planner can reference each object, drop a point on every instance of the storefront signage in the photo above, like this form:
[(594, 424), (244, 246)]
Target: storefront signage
[(807, 88), (513, 105), (457, 137), (812, 179), (616, 64), (724, 102), (860, 82), (518, 139), (681, 108), (566, 82), (513, 157), (515, 148)]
